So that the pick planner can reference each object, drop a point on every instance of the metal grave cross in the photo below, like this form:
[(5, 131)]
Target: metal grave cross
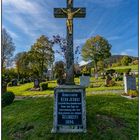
[(69, 13)]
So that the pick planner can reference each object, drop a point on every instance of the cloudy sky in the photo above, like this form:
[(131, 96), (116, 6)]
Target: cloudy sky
[(116, 20)]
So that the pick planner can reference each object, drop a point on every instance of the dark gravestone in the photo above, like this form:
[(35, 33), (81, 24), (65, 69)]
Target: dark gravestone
[(69, 109), (108, 79), (14, 82), (36, 83)]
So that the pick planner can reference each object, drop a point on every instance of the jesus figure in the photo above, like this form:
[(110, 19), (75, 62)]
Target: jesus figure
[(70, 15)]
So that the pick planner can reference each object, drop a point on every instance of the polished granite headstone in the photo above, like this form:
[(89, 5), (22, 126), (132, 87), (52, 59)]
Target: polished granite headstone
[(69, 109)]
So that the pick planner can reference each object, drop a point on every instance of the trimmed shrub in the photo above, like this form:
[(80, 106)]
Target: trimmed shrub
[(119, 78), (7, 98), (44, 86), (110, 71), (9, 84), (21, 81), (127, 70), (91, 86), (78, 75)]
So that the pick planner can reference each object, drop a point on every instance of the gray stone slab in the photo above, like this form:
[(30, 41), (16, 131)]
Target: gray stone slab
[(84, 81), (129, 83)]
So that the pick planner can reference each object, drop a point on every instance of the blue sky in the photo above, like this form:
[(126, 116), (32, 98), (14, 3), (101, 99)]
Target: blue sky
[(116, 20)]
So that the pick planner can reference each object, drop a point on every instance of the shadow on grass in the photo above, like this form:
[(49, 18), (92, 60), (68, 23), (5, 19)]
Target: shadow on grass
[(51, 88), (109, 117)]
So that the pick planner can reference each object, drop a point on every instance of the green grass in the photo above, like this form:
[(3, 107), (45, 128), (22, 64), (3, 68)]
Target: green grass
[(24, 89), (109, 117), (133, 67), (97, 85)]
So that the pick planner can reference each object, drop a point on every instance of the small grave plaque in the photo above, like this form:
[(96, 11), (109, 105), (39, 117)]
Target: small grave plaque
[(36, 83), (69, 110)]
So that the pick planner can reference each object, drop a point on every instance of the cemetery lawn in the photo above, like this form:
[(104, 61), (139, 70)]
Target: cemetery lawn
[(109, 117), (98, 85), (132, 67), (24, 89)]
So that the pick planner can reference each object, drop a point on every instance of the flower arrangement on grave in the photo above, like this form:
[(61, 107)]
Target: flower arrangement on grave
[(131, 93)]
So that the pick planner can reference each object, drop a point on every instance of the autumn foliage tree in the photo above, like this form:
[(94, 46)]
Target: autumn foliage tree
[(37, 59), (42, 54), (96, 49), (22, 61), (126, 60)]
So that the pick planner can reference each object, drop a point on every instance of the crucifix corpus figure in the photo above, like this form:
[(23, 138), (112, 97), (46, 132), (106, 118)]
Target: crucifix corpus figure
[(70, 15)]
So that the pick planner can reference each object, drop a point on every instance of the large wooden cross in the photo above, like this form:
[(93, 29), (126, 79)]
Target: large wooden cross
[(69, 13)]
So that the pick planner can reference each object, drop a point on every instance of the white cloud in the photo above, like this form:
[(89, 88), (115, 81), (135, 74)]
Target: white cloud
[(22, 5), (12, 34), (81, 63), (124, 53), (31, 17), (128, 52)]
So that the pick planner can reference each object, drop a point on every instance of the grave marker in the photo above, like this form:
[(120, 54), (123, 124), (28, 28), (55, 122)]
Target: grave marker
[(129, 83)]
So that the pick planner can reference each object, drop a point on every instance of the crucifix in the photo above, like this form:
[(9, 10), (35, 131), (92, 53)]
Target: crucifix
[(69, 13)]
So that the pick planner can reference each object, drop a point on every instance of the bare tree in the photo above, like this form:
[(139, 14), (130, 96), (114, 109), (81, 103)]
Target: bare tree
[(7, 48)]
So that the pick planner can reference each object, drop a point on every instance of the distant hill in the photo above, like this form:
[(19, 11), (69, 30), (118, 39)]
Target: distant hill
[(116, 58), (113, 59)]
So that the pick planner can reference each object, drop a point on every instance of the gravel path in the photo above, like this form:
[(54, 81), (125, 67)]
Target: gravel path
[(51, 95), (35, 96), (107, 91)]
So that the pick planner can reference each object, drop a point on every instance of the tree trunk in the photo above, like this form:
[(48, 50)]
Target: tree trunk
[(96, 71)]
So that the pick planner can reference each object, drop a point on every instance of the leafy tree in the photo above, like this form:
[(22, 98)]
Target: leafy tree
[(135, 62), (41, 55), (36, 60), (22, 60), (7, 49), (101, 65), (96, 49), (126, 60), (59, 69)]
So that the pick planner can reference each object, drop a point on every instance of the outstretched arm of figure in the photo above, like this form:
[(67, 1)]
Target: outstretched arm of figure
[(76, 11), (64, 11)]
